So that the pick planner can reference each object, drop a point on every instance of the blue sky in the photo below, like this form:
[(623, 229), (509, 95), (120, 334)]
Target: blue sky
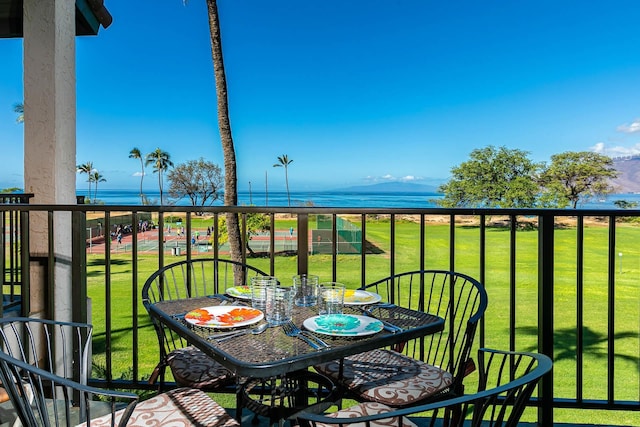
[(355, 92)]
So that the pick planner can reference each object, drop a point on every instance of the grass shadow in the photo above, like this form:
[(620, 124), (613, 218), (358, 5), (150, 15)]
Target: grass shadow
[(120, 338), (565, 343)]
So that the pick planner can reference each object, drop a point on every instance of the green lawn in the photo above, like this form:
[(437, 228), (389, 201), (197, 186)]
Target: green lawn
[(436, 250)]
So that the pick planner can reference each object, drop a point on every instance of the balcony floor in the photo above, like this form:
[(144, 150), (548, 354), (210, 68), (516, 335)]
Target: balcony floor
[(247, 420)]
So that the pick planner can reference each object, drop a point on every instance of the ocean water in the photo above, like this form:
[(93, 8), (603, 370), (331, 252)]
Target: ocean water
[(279, 199), (333, 199)]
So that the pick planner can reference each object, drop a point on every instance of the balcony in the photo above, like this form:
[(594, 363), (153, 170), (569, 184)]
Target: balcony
[(561, 282)]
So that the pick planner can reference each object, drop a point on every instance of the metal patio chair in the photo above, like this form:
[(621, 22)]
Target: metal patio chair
[(191, 279), (428, 368), (505, 380), (45, 364)]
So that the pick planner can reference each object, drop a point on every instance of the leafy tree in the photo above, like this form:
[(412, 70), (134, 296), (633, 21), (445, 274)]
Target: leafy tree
[(256, 222), (577, 176), (96, 177), (18, 108), (226, 139), (135, 154), (625, 204), (284, 161), (161, 161), (86, 168), (492, 177), (199, 180)]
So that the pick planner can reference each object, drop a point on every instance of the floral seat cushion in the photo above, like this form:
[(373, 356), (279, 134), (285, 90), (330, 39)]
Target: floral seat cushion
[(369, 408), (193, 368), (388, 377), (177, 408)]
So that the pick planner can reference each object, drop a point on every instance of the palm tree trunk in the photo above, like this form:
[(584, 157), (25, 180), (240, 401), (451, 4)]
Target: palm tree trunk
[(160, 185), (228, 150), (141, 178), (286, 181)]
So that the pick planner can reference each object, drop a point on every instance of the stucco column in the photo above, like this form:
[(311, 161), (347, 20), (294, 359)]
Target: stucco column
[(50, 144)]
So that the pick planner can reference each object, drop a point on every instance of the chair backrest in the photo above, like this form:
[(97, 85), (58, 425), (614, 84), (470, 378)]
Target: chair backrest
[(190, 279), (505, 385), (44, 366), (460, 299), (195, 278), (506, 382)]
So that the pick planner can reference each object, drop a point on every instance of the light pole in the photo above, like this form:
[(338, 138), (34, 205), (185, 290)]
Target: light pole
[(620, 263)]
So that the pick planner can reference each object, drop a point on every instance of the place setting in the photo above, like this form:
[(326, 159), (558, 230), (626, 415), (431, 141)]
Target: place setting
[(329, 298), (331, 321)]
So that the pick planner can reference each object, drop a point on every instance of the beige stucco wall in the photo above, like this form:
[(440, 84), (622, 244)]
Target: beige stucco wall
[(50, 140)]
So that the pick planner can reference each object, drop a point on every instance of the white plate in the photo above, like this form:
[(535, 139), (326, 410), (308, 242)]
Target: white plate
[(343, 325), (224, 316), (240, 292), (360, 297)]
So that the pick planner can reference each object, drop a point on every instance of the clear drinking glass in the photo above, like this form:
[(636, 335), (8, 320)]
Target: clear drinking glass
[(259, 286), (279, 308), (306, 290), (331, 298)]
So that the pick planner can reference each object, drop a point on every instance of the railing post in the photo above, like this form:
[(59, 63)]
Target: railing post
[(303, 243), (545, 312), (79, 264)]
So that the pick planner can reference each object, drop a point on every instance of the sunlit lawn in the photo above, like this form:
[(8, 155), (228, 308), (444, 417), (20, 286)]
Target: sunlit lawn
[(436, 256)]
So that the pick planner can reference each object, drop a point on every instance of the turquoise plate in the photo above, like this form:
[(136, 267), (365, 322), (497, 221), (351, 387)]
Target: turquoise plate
[(340, 325)]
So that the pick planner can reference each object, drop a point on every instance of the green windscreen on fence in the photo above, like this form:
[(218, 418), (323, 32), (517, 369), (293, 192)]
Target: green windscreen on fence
[(349, 236)]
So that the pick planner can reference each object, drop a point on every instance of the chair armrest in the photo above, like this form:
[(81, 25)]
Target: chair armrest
[(531, 367), (35, 384)]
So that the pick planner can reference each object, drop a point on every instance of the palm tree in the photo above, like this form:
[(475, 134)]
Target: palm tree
[(18, 108), (86, 168), (224, 125), (96, 177), (135, 154), (283, 161), (161, 162)]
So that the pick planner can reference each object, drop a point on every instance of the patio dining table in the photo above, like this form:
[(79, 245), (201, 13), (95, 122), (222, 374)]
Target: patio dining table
[(273, 353)]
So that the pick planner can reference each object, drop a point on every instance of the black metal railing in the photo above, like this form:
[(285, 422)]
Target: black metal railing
[(515, 253), (13, 253)]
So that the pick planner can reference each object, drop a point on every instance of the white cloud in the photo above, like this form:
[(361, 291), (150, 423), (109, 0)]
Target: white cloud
[(138, 174), (633, 127), (598, 148), (617, 151), (620, 150), (391, 178)]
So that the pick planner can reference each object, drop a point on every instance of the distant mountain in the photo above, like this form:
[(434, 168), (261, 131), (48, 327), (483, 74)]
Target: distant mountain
[(392, 187), (628, 180)]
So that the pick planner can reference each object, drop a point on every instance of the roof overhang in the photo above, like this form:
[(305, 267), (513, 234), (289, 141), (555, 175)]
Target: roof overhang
[(90, 14)]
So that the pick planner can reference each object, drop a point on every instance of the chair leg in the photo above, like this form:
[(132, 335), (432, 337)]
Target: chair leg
[(452, 417), (239, 403), (158, 373)]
